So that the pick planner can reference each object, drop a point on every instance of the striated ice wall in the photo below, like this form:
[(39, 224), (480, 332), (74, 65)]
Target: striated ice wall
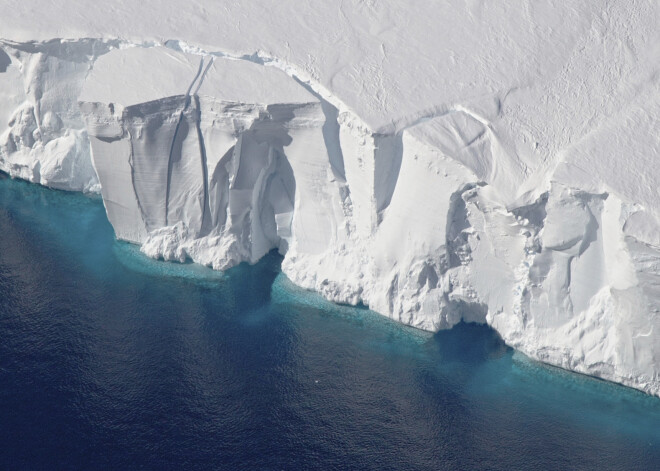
[(42, 135), (220, 159)]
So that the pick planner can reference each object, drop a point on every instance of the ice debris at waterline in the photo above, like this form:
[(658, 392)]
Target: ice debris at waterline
[(441, 163)]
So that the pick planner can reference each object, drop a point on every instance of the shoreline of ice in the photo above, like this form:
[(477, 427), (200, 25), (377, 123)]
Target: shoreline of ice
[(436, 218)]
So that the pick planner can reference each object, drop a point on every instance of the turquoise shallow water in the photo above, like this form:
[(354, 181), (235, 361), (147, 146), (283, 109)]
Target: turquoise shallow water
[(110, 360)]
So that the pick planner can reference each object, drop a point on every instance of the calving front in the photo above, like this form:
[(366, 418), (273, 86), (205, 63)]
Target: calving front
[(220, 159)]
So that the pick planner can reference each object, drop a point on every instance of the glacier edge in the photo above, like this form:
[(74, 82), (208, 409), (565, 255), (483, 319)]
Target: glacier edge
[(430, 222)]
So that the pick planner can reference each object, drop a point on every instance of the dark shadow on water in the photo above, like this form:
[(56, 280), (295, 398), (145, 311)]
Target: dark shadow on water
[(469, 343), (254, 282), (359, 306)]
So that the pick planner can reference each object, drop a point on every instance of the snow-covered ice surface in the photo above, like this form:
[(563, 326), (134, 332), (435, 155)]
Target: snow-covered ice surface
[(487, 161)]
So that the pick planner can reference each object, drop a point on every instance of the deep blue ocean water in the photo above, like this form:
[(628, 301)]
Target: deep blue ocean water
[(110, 360)]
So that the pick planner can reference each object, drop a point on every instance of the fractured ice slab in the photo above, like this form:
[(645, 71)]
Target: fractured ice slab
[(44, 140), (204, 153)]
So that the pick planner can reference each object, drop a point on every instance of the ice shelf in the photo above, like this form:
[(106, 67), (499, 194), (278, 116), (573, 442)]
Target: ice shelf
[(493, 163)]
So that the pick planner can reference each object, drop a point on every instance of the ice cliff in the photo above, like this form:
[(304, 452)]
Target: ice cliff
[(505, 173)]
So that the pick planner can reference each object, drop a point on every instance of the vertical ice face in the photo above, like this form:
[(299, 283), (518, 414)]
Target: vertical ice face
[(443, 219), (207, 157), (585, 302), (44, 140), (221, 161)]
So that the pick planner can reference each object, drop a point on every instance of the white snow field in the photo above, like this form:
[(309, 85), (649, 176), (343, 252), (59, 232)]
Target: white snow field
[(487, 161)]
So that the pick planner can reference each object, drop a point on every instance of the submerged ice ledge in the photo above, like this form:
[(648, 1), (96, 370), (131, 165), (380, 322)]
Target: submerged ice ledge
[(435, 219)]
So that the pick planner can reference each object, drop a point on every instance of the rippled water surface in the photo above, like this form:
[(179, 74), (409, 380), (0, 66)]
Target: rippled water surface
[(109, 360)]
